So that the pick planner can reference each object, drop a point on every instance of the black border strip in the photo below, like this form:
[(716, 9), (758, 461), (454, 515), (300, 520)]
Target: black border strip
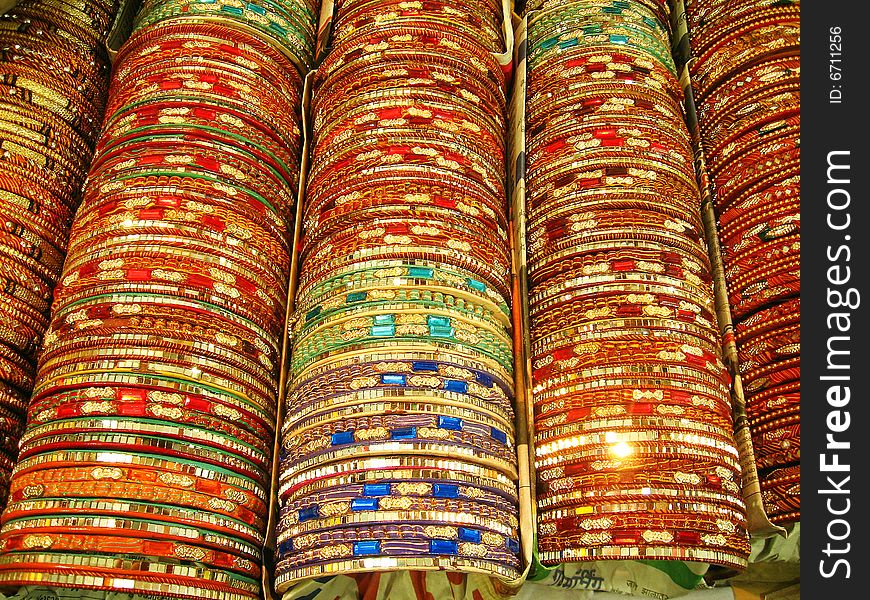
[(833, 263)]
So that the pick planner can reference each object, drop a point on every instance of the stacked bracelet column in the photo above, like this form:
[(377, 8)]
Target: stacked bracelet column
[(398, 445), (634, 449), (145, 465), (747, 78), (55, 78)]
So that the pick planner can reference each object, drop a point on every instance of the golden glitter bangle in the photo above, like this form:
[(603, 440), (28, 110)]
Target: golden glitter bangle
[(95, 507), (410, 481), (349, 567), (493, 478)]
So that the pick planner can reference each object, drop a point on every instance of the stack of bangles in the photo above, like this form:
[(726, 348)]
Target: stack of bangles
[(145, 466), (746, 75), (398, 447), (54, 79), (634, 448)]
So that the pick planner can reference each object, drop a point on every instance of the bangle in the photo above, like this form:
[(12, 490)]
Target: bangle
[(732, 509), (137, 528), (337, 519), (172, 472), (352, 284), (471, 19), (86, 577), (62, 342), (110, 490), (345, 429), (124, 546), (574, 478), (213, 482), (136, 404), (146, 444), (141, 510), (466, 452), (420, 80), (16, 370), (420, 38), (772, 399), (162, 363), (153, 388), (292, 40), (337, 548), (224, 441), (599, 401), (491, 477), (410, 481), (718, 450), (781, 494), (694, 547), (130, 308), (398, 494), (414, 353), (284, 576)]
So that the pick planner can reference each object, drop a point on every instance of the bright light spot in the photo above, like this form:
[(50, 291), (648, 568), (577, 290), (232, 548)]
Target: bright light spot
[(621, 449), (383, 562), (113, 457)]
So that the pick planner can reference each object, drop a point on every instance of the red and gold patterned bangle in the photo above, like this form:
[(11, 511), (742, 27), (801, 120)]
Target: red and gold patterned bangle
[(746, 80), (102, 573)]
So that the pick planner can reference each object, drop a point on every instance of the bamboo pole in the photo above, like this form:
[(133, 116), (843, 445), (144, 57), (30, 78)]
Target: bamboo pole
[(6, 5), (270, 544), (522, 325)]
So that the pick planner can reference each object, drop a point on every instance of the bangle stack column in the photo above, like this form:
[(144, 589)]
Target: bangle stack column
[(398, 447), (54, 78), (145, 464), (634, 447), (746, 75)]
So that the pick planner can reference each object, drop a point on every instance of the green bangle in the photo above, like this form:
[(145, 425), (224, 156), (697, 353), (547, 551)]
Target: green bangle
[(330, 342), (418, 273), (418, 299)]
